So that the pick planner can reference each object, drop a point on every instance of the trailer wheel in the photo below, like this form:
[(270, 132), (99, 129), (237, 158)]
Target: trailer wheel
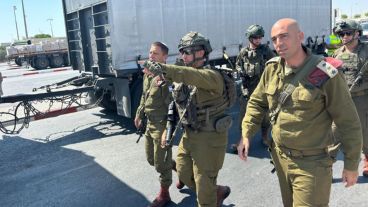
[(18, 61), (56, 61), (41, 63), (135, 95)]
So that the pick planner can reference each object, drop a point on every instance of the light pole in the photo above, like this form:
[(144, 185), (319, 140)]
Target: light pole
[(52, 32), (25, 22), (16, 24)]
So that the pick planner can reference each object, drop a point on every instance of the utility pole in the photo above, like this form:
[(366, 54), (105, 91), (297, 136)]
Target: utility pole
[(25, 22), (16, 24), (52, 32)]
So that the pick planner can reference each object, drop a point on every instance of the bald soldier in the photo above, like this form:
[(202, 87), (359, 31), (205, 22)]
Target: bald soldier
[(304, 93)]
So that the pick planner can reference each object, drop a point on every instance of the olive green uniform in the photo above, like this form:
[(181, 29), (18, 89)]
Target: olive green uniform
[(250, 64), (353, 63), (201, 150), (153, 106), (301, 131)]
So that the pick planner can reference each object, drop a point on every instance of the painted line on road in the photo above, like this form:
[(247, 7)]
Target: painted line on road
[(38, 72), (46, 115)]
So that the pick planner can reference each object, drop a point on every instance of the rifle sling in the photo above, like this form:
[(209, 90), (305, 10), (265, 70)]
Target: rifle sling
[(289, 89)]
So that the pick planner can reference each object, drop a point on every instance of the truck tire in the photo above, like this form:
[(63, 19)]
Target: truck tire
[(56, 61), (135, 95), (18, 61), (41, 63)]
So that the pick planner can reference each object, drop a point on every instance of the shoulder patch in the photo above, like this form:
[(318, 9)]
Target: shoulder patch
[(327, 68), (274, 60)]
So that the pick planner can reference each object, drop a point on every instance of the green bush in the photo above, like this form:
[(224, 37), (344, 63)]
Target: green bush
[(42, 36)]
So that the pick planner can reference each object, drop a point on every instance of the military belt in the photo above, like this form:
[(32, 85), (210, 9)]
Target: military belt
[(301, 153), (156, 118)]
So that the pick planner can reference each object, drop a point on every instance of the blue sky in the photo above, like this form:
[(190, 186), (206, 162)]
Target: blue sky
[(38, 11)]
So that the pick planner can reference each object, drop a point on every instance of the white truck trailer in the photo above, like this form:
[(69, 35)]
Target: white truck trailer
[(107, 37)]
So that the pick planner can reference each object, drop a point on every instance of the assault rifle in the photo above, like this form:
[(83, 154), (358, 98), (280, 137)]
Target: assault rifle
[(171, 123), (359, 77), (141, 129)]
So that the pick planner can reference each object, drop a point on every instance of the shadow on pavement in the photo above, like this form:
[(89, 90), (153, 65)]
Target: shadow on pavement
[(36, 173)]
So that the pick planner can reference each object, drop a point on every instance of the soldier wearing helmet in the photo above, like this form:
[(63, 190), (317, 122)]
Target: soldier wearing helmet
[(200, 98), (354, 54), (250, 64)]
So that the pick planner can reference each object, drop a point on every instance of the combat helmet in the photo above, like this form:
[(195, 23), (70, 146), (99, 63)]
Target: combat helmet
[(254, 30), (195, 40), (347, 25)]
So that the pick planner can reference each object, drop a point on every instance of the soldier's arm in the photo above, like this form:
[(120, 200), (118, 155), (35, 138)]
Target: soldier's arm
[(207, 79), (140, 109), (343, 112)]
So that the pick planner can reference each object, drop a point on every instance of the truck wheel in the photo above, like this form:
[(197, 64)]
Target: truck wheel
[(41, 63), (66, 60), (18, 61), (135, 95), (56, 61)]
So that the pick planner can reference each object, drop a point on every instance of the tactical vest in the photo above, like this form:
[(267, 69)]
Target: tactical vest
[(205, 114), (253, 61), (353, 62)]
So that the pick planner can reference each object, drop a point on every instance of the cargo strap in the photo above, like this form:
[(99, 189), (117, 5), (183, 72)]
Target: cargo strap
[(289, 89), (301, 153)]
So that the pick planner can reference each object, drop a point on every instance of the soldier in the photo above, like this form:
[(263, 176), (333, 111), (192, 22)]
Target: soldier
[(250, 64), (153, 106), (201, 99), (304, 94), (354, 55)]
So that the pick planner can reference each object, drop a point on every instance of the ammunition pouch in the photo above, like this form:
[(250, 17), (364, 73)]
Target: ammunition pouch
[(218, 125), (223, 124)]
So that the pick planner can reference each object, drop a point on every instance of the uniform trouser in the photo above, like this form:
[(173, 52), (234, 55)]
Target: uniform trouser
[(200, 158), (304, 181), (243, 101), (155, 154), (361, 104)]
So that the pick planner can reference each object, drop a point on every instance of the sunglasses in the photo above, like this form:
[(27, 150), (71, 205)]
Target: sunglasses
[(190, 50), (348, 33), (187, 51)]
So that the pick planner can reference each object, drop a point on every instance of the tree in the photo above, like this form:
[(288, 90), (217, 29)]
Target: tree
[(2, 53), (42, 36), (366, 14), (344, 16), (357, 16)]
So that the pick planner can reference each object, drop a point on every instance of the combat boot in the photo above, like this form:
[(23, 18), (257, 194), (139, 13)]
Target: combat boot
[(222, 193), (162, 199), (365, 166), (179, 184)]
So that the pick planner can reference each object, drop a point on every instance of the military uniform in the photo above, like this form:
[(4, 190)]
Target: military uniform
[(154, 102), (353, 63), (301, 129), (250, 64), (202, 149)]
